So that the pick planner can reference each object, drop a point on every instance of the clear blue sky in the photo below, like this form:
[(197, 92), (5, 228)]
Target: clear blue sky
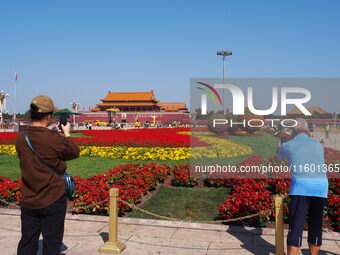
[(81, 49)]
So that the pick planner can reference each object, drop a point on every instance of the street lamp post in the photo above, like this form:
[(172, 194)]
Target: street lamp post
[(224, 54)]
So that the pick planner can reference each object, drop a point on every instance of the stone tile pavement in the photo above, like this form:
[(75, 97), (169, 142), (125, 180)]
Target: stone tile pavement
[(333, 141), (85, 234)]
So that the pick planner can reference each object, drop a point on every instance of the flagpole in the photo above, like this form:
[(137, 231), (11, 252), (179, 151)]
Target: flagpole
[(15, 94)]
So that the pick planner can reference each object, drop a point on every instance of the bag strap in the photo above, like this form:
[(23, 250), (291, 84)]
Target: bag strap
[(40, 158)]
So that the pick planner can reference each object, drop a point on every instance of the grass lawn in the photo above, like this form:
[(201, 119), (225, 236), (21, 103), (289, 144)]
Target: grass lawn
[(198, 204), (82, 167), (264, 145), (78, 135), (9, 166)]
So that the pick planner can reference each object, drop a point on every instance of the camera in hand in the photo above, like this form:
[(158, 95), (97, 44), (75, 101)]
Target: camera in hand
[(63, 119)]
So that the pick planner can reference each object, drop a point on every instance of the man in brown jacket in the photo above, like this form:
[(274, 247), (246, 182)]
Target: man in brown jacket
[(43, 204)]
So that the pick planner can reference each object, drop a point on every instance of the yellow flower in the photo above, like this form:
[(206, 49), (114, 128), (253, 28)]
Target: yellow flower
[(134, 153), (218, 148), (8, 149)]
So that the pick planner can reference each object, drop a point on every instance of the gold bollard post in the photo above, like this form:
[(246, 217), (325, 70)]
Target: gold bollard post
[(279, 237), (113, 246)]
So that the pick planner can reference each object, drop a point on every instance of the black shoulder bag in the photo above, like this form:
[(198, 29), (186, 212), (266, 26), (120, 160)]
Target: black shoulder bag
[(70, 184)]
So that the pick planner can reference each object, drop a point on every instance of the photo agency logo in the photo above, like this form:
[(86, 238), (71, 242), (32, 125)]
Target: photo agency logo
[(281, 97), (213, 94)]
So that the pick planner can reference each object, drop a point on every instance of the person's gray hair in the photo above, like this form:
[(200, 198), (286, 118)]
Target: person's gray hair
[(301, 125)]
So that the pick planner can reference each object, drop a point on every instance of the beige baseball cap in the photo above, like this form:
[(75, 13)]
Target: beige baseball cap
[(44, 104)]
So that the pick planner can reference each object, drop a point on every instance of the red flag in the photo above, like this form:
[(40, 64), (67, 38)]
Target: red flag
[(16, 77)]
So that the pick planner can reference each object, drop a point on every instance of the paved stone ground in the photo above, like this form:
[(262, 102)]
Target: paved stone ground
[(333, 140), (85, 234)]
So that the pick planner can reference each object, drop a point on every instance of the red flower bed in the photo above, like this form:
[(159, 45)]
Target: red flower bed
[(182, 176), (157, 137), (7, 137), (92, 194), (199, 129), (246, 199), (228, 179), (9, 190), (334, 186), (161, 137), (332, 156), (333, 211), (279, 186), (249, 197), (133, 181)]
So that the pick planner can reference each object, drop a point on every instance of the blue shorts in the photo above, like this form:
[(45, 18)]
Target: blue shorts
[(299, 208)]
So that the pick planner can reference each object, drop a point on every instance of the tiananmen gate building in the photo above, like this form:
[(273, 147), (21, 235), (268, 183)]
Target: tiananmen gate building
[(141, 106), (129, 102)]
